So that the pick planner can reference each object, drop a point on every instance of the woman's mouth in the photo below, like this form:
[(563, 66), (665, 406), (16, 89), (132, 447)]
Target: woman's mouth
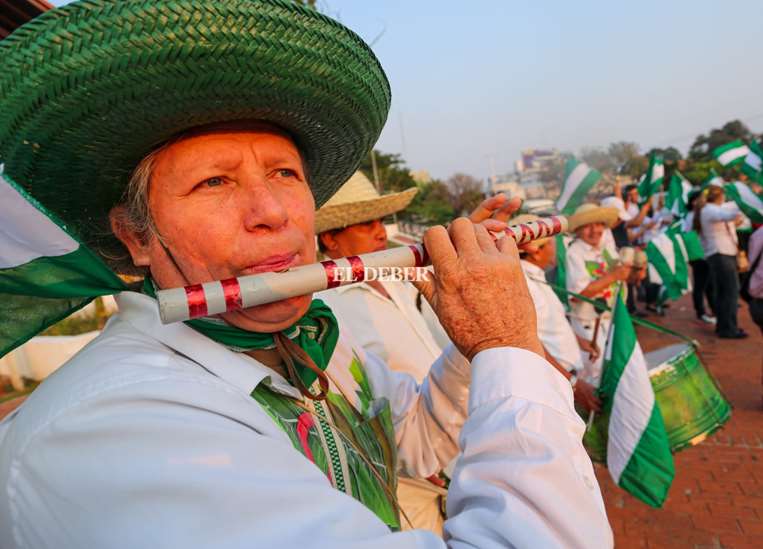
[(274, 263)]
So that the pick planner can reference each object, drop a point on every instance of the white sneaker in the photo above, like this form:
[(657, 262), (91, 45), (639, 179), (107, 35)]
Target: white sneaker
[(709, 319)]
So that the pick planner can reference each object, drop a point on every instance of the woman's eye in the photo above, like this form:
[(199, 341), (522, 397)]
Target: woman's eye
[(213, 181), (286, 172)]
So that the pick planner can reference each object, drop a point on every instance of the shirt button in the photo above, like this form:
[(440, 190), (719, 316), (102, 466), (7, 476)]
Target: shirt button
[(588, 482)]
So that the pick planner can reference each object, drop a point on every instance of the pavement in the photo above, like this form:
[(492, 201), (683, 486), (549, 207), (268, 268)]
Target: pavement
[(716, 501)]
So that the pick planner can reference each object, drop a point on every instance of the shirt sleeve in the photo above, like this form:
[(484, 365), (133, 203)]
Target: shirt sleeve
[(427, 417), (191, 462), (577, 274), (712, 213)]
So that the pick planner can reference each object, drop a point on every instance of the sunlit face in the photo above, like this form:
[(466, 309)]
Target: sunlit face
[(544, 256), (361, 238), (231, 203), (632, 196), (591, 233)]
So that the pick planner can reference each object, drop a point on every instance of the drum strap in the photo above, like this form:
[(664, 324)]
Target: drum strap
[(602, 307)]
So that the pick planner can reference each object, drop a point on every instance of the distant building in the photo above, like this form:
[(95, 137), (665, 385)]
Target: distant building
[(508, 185), (14, 13), (420, 176), (531, 166)]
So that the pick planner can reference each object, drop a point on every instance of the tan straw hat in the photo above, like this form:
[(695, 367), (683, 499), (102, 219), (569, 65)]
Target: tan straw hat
[(591, 213), (358, 201)]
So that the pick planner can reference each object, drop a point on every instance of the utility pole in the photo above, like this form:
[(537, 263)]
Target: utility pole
[(375, 170)]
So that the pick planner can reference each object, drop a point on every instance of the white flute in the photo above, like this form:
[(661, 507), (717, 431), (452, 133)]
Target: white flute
[(220, 296)]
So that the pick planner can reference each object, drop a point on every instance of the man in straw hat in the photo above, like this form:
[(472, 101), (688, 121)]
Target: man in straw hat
[(593, 271), (188, 142), (561, 345), (382, 315)]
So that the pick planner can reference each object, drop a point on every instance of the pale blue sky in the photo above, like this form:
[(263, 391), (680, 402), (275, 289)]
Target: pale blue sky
[(490, 77)]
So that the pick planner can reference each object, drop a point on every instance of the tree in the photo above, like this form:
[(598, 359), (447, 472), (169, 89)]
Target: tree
[(394, 175), (431, 206), (465, 193), (598, 159), (623, 153), (703, 145)]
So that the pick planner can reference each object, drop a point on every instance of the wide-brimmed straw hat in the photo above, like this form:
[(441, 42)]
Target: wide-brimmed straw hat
[(87, 90), (358, 201), (586, 214)]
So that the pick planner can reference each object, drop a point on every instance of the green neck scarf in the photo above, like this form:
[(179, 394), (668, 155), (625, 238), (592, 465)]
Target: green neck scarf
[(316, 333)]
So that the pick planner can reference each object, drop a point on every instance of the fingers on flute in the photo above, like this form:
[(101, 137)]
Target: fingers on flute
[(507, 246), (508, 209), (485, 240), (464, 238), (439, 247), (494, 226), (487, 207)]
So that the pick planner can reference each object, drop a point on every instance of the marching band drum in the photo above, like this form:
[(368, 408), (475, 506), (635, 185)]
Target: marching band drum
[(690, 401)]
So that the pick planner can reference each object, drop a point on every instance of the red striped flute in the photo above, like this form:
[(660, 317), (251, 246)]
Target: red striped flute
[(221, 296)]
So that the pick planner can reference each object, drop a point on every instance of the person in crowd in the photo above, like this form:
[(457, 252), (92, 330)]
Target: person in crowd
[(595, 274), (562, 347), (263, 426), (716, 220), (382, 315), (702, 286)]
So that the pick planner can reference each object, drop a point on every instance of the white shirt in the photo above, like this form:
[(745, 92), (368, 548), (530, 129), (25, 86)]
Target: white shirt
[(149, 438), (586, 264), (391, 328), (719, 234), (554, 332)]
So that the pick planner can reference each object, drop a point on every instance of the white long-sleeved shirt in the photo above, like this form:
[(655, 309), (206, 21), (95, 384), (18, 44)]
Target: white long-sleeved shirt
[(149, 438), (718, 234), (554, 331), (390, 327)]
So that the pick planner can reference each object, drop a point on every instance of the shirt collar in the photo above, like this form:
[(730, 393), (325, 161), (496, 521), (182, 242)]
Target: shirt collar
[(238, 369), (532, 270)]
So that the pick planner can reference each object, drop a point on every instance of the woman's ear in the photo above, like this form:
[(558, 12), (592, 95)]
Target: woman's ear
[(328, 241), (135, 243)]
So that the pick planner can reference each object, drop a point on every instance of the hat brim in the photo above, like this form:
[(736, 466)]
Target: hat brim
[(608, 216), (89, 89), (344, 215)]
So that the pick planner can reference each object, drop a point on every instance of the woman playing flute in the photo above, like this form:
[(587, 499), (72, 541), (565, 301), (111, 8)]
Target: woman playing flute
[(204, 134)]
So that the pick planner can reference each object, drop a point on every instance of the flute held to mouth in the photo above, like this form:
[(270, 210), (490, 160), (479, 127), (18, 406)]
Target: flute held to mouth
[(220, 296)]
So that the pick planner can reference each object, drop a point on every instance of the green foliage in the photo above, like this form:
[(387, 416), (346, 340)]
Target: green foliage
[(465, 193), (704, 144), (431, 206), (697, 171), (394, 175)]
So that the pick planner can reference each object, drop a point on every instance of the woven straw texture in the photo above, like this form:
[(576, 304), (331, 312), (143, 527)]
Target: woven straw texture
[(591, 213), (89, 89), (358, 201)]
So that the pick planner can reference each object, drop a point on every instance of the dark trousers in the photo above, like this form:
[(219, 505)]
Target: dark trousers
[(703, 286), (725, 280)]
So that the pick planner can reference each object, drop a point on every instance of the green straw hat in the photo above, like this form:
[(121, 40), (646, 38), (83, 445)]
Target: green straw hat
[(89, 89)]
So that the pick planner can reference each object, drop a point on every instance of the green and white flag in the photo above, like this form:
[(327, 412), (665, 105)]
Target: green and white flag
[(578, 180), (653, 178), (668, 264), (45, 272), (677, 200), (753, 163), (750, 203), (638, 453), (732, 153), (713, 179)]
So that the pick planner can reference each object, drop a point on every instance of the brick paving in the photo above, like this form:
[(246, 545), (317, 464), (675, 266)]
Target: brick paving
[(716, 500)]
